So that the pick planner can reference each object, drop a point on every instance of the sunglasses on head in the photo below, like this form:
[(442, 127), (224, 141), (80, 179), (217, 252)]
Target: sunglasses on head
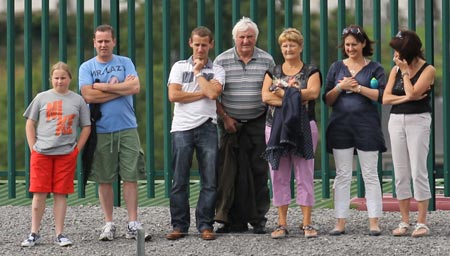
[(399, 35), (352, 30)]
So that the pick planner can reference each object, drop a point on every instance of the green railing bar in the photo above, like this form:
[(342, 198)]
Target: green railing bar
[(131, 27), (10, 42), (218, 27), (323, 107), (28, 92), (183, 29), (114, 22), (306, 30), (97, 14), (377, 29), (271, 27), (377, 57), (412, 14), (45, 46), (359, 13), (429, 55), (62, 30), (254, 10), (288, 13), (288, 21), (167, 106), (446, 92), (394, 29), (200, 15), (149, 99), (80, 59), (97, 17), (341, 24), (236, 11)]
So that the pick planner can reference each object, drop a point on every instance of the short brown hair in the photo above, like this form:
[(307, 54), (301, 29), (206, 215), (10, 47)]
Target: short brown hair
[(105, 28), (202, 31)]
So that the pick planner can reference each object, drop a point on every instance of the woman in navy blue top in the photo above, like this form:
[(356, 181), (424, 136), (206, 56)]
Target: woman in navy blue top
[(407, 90), (354, 125)]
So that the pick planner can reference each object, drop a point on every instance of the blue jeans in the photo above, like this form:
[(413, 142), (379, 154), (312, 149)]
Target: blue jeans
[(204, 140)]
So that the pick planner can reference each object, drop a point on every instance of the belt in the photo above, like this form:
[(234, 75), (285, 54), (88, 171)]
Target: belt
[(249, 120)]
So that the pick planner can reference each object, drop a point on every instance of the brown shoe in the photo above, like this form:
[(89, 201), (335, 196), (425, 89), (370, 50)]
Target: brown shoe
[(175, 235), (208, 234)]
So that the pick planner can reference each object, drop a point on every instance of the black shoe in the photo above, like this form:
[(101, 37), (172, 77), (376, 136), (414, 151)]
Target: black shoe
[(336, 232), (239, 228), (223, 228), (259, 230), (374, 232)]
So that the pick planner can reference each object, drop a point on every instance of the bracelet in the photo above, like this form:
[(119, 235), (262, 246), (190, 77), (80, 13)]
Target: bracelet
[(224, 115), (198, 75), (338, 88), (359, 89), (404, 74)]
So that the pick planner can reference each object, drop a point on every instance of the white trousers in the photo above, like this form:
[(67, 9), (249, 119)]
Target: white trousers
[(343, 159), (410, 137)]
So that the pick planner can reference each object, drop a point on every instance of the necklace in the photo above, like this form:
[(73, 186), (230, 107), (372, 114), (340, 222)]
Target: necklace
[(355, 67)]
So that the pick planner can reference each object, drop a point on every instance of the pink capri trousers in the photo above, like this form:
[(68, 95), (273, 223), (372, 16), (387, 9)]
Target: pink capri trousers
[(303, 171)]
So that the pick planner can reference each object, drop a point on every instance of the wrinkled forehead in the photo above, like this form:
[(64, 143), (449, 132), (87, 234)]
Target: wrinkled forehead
[(246, 33)]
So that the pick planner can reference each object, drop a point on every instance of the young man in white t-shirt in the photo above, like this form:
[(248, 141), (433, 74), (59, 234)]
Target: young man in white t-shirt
[(194, 85)]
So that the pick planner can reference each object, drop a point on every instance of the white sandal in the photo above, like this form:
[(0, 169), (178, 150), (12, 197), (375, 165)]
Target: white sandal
[(401, 230), (419, 230)]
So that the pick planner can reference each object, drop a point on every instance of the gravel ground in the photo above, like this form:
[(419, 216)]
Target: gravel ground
[(83, 225)]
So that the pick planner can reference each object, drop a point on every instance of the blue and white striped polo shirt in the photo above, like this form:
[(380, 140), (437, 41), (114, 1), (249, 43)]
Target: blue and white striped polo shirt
[(241, 96)]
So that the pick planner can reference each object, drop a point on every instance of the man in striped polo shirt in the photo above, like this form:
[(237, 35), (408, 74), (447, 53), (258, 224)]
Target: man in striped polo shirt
[(243, 193), (194, 85)]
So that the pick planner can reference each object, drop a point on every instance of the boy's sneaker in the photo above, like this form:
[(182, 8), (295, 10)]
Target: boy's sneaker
[(108, 232), (132, 231), (62, 240), (32, 239)]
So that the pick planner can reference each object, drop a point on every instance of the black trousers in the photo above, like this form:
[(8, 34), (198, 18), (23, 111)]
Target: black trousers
[(242, 191)]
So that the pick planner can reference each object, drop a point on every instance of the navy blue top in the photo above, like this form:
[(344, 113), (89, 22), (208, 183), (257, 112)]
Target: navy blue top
[(355, 120)]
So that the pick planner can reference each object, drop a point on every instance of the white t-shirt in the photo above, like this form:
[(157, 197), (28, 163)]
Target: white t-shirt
[(187, 116)]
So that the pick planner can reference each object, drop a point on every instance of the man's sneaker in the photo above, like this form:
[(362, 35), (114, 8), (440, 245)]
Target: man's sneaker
[(108, 232), (132, 231), (32, 239), (62, 240)]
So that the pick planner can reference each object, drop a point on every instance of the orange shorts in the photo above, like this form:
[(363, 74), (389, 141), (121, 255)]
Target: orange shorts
[(52, 173)]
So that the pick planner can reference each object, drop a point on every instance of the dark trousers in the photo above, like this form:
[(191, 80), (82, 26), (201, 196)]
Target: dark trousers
[(204, 140), (242, 192)]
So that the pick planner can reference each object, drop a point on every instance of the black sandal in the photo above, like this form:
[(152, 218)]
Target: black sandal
[(310, 231)]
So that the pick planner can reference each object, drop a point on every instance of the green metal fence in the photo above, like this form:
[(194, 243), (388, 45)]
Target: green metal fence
[(433, 25)]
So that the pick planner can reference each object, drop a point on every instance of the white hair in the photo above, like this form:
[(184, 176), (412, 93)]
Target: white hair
[(244, 24)]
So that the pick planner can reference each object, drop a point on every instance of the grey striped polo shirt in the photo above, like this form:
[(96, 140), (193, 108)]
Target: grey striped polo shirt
[(241, 96)]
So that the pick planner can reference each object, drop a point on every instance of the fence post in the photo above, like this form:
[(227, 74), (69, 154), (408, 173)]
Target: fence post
[(10, 35)]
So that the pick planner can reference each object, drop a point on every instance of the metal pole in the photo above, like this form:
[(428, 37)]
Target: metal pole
[(323, 107), (149, 106), (140, 242)]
